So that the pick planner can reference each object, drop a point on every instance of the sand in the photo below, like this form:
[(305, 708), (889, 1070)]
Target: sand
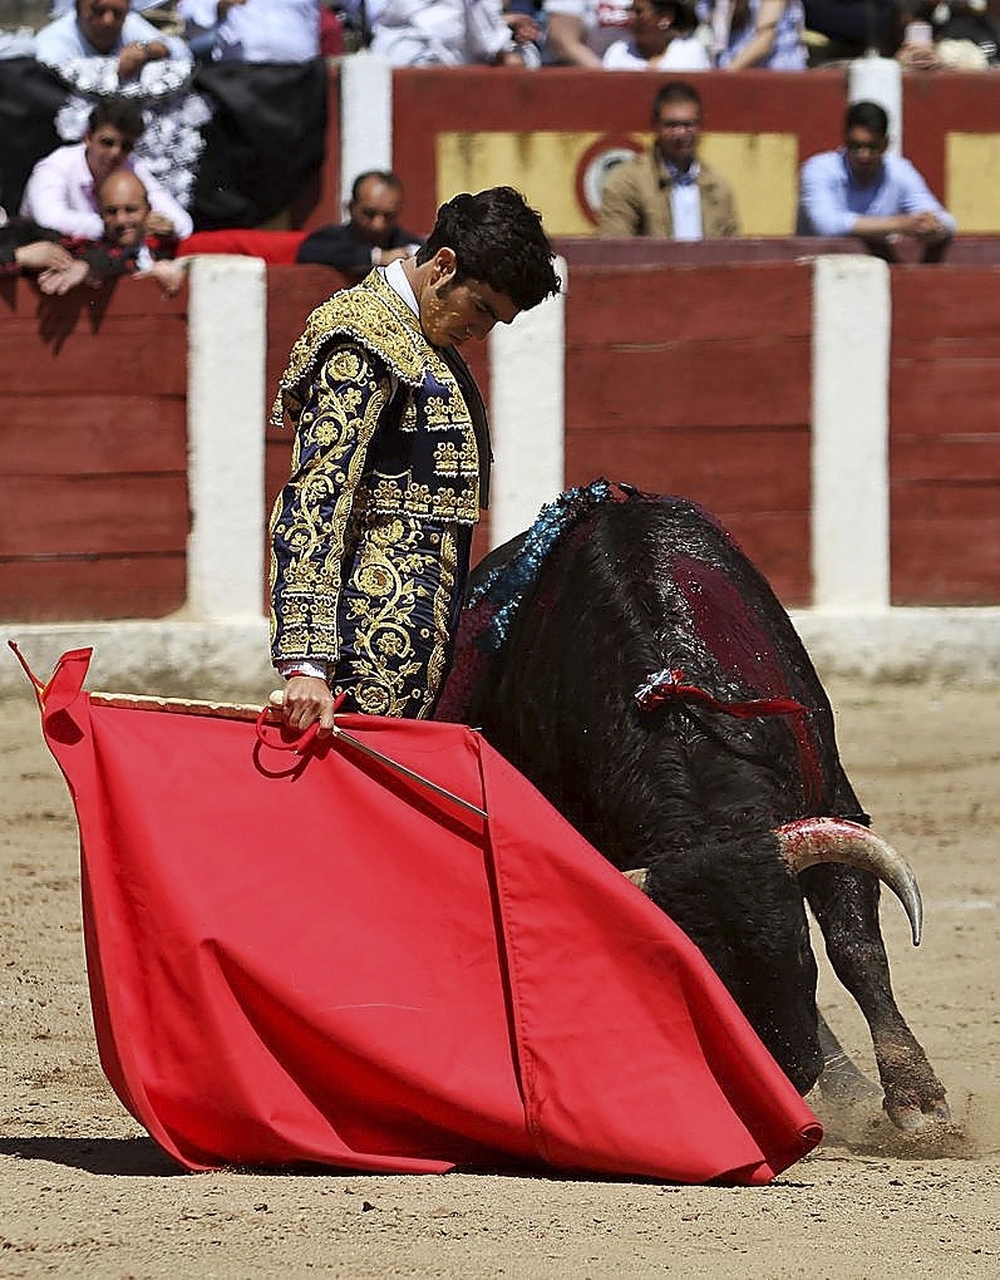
[(83, 1191)]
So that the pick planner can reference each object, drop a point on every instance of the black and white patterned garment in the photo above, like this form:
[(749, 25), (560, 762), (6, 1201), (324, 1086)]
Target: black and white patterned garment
[(174, 114)]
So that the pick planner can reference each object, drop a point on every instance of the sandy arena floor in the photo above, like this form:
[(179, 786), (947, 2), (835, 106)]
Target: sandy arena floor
[(83, 1193)]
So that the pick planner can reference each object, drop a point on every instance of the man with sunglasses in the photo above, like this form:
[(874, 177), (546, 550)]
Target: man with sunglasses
[(62, 190), (861, 191), (668, 192)]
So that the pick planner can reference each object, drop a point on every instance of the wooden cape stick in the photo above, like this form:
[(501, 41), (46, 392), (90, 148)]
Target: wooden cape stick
[(248, 712)]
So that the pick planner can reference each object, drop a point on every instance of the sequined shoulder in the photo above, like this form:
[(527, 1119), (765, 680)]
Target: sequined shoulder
[(372, 314)]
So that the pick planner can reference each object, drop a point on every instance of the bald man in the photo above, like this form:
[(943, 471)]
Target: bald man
[(125, 212)]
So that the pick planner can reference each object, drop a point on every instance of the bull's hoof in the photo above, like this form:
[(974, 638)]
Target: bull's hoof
[(911, 1118)]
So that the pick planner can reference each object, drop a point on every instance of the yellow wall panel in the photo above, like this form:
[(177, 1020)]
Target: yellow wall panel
[(541, 164), (762, 167), (972, 180), (763, 171)]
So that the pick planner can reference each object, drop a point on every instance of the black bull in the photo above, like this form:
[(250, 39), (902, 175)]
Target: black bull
[(701, 776)]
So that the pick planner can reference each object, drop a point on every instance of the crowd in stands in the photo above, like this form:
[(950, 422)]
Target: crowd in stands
[(613, 34), (140, 100)]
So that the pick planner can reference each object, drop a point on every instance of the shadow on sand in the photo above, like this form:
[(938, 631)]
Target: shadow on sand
[(126, 1157)]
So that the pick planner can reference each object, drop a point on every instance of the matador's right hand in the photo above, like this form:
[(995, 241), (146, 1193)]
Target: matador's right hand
[(308, 699)]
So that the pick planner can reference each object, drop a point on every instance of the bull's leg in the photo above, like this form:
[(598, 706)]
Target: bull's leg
[(845, 903), (842, 1080)]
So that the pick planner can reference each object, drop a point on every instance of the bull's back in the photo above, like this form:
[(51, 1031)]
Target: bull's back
[(637, 586)]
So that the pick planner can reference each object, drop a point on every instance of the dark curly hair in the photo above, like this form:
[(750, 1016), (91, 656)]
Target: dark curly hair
[(121, 113), (498, 239)]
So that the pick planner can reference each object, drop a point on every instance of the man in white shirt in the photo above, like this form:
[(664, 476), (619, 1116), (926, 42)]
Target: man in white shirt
[(61, 192), (663, 39), (255, 30), (102, 28)]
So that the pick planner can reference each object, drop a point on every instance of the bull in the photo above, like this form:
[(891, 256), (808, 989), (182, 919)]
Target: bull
[(627, 656)]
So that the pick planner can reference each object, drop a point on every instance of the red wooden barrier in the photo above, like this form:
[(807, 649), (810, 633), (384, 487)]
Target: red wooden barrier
[(93, 485), (696, 381), (684, 379), (944, 440), (941, 114)]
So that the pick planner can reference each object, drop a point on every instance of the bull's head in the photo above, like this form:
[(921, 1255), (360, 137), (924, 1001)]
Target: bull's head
[(762, 951)]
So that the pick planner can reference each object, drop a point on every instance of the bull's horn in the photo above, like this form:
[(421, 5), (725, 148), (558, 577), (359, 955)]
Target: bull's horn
[(638, 877), (808, 841)]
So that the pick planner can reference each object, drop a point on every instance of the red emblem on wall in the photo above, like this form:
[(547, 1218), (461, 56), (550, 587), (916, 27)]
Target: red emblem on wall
[(594, 166)]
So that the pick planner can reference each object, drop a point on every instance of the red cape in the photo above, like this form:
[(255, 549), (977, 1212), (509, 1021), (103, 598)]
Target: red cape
[(312, 958)]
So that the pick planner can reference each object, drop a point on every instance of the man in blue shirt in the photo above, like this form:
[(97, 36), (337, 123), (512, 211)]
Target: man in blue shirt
[(860, 191)]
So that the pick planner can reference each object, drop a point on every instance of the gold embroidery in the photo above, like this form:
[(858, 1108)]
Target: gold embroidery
[(393, 577), (408, 421), (442, 413), (442, 607), (311, 515), (373, 314), (388, 496), (450, 460)]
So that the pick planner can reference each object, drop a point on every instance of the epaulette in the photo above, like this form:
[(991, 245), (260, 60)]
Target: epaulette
[(371, 314)]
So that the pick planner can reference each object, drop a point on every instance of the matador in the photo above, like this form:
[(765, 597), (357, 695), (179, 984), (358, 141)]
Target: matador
[(371, 536)]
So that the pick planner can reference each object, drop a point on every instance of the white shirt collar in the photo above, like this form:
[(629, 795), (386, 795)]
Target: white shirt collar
[(395, 276)]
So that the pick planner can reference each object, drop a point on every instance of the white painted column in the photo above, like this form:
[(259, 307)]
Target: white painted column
[(365, 117), (527, 413), (880, 80), (850, 432), (227, 348)]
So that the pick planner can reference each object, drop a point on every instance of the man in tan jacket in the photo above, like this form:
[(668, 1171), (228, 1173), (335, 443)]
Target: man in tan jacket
[(667, 192)]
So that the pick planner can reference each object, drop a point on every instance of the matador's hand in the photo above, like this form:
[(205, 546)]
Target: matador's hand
[(308, 699)]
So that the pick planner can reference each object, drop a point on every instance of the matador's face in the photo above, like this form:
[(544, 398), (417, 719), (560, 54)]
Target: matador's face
[(453, 311)]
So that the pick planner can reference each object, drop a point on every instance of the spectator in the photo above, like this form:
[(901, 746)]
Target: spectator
[(62, 189), (126, 246), (667, 192), (579, 31), (663, 39), (107, 28), (766, 34), (129, 246), (858, 190), (253, 30), (101, 50), (371, 236), (28, 249), (450, 33), (957, 36)]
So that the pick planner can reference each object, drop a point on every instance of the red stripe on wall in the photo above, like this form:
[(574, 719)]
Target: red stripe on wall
[(944, 442), (697, 382)]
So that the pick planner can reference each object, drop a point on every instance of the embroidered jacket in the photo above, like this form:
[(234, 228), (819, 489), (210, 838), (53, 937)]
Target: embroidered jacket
[(387, 425)]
